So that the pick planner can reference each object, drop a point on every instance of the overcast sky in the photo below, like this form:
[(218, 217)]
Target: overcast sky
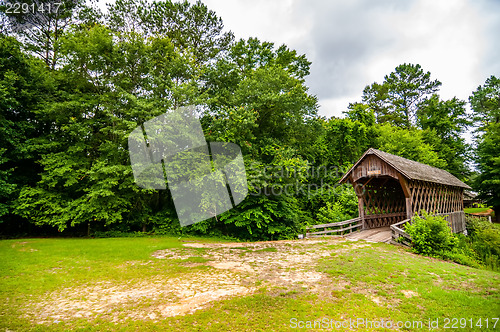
[(354, 43)]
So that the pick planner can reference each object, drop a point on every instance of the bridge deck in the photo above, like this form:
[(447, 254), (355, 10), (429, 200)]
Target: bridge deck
[(382, 234)]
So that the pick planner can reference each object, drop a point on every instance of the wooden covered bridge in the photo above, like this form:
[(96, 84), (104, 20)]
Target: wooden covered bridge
[(391, 189)]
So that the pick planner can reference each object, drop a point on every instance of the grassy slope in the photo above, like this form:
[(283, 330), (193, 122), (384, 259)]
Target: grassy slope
[(374, 282)]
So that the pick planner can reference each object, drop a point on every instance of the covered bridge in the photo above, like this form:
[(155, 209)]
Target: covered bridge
[(391, 189)]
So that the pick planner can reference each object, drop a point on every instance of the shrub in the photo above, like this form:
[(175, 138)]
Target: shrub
[(343, 206), (114, 233), (431, 235), (463, 253), (481, 248), (484, 241)]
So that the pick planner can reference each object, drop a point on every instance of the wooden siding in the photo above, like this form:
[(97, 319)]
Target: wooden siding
[(435, 198), (373, 166), (386, 197)]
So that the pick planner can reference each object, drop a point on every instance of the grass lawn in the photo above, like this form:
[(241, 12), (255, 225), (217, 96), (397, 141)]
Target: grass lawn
[(118, 284), (476, 210)]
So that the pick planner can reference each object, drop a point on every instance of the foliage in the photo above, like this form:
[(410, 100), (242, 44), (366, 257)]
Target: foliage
[(408, 99), (398, 99), (484, 242), (408, 143), (485, 102), (191, 27), (263, 217), (41, 30), (430, 235), (342, 205), (463, 253), (23, 89), (345, 140), (444, 123), (71, 91)]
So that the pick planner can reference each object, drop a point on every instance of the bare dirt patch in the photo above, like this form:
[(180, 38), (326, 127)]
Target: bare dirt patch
[(166, 297), (235, 269), (409, 293), (21, 246)]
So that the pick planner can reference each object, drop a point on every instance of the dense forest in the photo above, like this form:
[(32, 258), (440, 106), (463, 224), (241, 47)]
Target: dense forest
[(75, 83)]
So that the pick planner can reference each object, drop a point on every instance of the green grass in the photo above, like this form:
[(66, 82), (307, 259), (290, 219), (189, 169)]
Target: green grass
[(268, 249), (33, 266), (476, 210), (444, 289), (368, 282)]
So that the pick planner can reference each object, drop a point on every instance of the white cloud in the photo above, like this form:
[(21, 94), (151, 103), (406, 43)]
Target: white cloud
[(354, 43)]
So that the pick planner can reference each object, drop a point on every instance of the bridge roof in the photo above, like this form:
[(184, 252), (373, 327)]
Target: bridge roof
[(412, 170)]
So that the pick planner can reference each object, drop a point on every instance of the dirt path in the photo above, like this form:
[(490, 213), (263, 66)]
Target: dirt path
[(233, 269)]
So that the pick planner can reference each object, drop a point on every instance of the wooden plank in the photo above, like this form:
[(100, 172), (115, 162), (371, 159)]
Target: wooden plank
[(404, 185), (335, 230), (382, 234), (409, 210), (384, 215), (334, 224), (361, 211)]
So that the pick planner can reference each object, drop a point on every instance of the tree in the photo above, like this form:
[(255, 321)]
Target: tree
[(360, 112), (346, 140), (41, 27), (190, 27), (485, 102), (223, 78), (24, 88), (407, 98), (257, 98), (408, 143), (445, 123), (398, 99), (265, 82), (111, 83)]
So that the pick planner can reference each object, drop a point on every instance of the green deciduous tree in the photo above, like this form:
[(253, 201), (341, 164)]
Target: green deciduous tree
[(345, 140), (257, 98), (408, 143), (24, 88), (445, 123), (111, 83), (192, 28), (485, 102)]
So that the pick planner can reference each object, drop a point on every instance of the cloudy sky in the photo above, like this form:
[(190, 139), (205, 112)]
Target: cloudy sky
[(354, 43)]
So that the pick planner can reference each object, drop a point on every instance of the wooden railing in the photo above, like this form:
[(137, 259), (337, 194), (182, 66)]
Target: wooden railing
[(398, 233), (456, 221), (335, 227)]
